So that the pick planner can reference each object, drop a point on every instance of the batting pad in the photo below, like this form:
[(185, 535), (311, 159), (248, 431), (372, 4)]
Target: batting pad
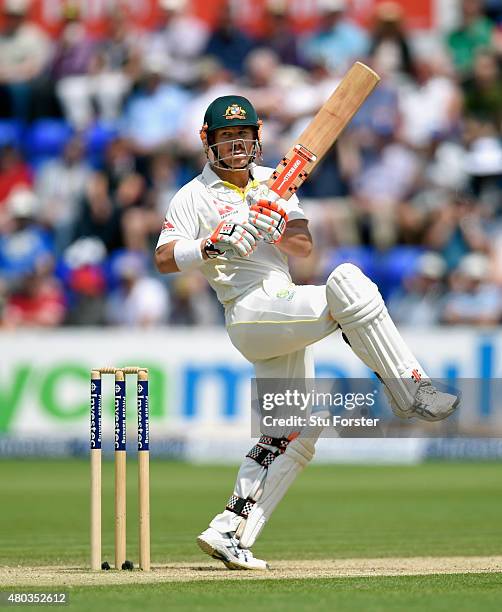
[(280, 476), (356, 304)]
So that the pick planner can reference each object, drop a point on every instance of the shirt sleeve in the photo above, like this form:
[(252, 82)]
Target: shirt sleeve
[(181, 220)]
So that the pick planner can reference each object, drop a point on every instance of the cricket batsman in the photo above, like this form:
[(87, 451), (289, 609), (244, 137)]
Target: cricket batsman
[(227, 224)]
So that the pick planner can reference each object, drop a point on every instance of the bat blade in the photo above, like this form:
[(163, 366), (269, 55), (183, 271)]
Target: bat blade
[(318, 137)]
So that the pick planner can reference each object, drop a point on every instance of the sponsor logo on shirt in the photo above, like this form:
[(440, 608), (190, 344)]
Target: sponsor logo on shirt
[(224, 210), (167, 226)]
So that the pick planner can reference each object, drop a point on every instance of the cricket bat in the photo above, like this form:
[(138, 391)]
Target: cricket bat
[(319, 136)]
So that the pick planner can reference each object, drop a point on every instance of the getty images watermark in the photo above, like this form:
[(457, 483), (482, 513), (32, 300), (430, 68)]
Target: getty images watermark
[(360, 408), (294, 400)]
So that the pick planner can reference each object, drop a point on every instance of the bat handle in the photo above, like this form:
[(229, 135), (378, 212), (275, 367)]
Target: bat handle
[(270, 195), (273, 196)]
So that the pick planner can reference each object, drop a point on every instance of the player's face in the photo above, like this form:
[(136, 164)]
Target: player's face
[(235, 145)]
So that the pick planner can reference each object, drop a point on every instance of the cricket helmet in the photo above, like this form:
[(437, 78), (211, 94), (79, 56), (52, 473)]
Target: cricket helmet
[(228, 111)]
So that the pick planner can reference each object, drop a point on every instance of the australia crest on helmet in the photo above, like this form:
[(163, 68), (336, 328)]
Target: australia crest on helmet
[(235, 111)]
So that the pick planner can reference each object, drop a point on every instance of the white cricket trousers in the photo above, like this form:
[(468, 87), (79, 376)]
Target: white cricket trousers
[(273, 327)]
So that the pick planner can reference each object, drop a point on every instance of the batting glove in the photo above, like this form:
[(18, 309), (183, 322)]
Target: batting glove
[(270, 219), (230, 239)]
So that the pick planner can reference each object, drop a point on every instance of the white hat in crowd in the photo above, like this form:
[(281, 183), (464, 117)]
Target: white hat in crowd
[(485, 157), (22, 203), (173, 5), (16, 7), (431, 265), (475, 266), (86, 251), (155, 63), (332, 6)]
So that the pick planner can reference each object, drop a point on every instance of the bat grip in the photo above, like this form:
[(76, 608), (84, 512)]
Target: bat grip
[(273, 196)]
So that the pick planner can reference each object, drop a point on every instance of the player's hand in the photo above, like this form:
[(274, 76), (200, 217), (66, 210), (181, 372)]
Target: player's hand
[(270, 219), (230, 239)]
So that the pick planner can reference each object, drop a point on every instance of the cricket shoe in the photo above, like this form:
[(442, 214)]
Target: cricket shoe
[(429, 404), (224, 547)]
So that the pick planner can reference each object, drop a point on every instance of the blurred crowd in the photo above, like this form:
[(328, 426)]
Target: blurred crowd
[(97, 134)]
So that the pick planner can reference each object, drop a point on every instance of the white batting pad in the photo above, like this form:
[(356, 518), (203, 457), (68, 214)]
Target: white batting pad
[(281, 474), (356, 304), (249, 476)]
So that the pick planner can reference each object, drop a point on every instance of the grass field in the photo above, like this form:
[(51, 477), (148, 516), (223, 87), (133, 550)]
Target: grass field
[(332, 512)]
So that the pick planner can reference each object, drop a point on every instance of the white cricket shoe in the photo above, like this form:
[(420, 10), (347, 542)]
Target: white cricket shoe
[(225, 547), (429, 403)]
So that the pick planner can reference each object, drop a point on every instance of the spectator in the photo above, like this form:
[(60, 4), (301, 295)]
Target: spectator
[(25, 246), (192, 302), (60, 185), (474, 299), (139, 300), (415, 214), (483, 91), (154, 113), (98, 216), (445, 166), (384, 175), (130, 192), (456, 229), (119, 161), (483, 163), (14, 173), (120, 49), (25, 51), (37, 300), (475, 32), (389, 46), (180, 40), (279, 36), (338, 41), (83, 273), (431, 107), (113, 67), (164, 184), (419, 302), (228, 43), (70, 68), (138, 220)]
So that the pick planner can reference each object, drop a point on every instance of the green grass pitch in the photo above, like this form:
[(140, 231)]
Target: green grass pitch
[(331, 512)]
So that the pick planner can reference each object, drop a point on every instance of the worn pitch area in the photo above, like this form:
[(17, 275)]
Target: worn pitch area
[(280, 570)]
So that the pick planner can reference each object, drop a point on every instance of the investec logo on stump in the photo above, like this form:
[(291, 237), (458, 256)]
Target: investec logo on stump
[(120, 415), (143, 416), (96, 414)]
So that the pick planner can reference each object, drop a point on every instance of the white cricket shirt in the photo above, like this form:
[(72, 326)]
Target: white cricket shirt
[(198, 208)]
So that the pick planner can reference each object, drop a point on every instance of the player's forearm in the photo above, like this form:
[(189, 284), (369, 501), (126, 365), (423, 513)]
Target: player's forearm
[(165, 259), (296, 241)]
